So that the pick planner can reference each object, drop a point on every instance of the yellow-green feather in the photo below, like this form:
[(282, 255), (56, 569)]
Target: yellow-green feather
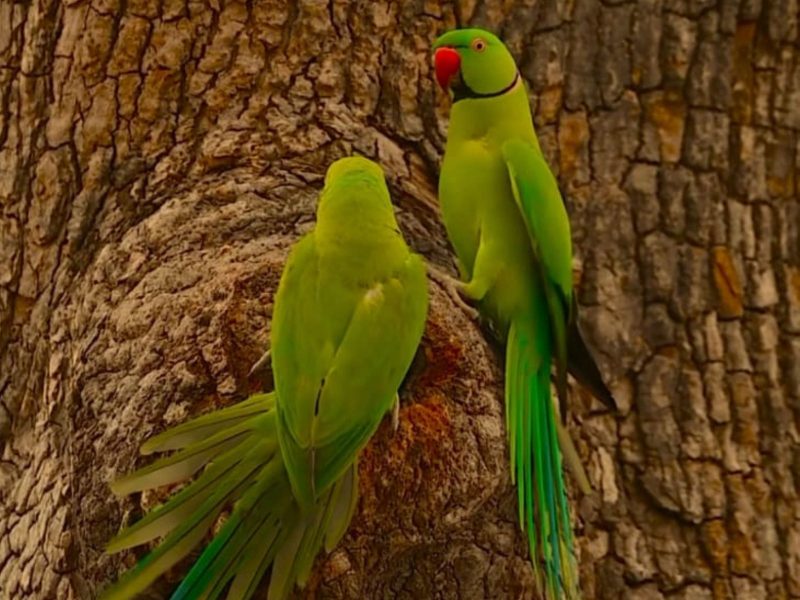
[(349, 314), (544, 514), (508, 225)]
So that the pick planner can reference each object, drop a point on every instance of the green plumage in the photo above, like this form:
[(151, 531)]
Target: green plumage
[(506, 219), (349, 314)]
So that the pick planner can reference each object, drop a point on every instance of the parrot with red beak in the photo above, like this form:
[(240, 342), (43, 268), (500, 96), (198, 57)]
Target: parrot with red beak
[(505, 217)]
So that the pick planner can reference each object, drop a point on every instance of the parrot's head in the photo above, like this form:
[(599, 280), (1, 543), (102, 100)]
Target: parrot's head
[(350, 180), (473, 63), (355, 194), (353, 166)]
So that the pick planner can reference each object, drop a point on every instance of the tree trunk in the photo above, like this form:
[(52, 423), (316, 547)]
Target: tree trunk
[(157, 159)]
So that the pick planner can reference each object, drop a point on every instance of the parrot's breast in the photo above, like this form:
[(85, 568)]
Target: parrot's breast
[(478, 206), (467, 172)]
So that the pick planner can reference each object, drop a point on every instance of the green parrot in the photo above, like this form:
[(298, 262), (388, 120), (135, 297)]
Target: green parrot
[(507, 222), (349, 314)]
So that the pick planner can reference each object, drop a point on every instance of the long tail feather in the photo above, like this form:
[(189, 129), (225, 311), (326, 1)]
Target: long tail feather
[(180, 507), (206, 426), (283, 567), (537, 462), (238, 446), (571, 458), (185, 463), (185, 537), (332, 513), (346, 497), (259, 555), (217, 565)]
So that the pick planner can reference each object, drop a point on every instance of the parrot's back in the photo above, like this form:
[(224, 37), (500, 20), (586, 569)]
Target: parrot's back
[(349, 314), (353, 269)]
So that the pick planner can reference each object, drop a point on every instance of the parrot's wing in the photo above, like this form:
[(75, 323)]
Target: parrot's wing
[(539, 201), (365, 369), (301, 338), (582, 365)]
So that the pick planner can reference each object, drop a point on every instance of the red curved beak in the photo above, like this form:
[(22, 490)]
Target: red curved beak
[(447, 62)]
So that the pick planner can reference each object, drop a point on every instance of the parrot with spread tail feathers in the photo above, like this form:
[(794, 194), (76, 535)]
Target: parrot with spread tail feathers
[(505, 217), (348, 316)]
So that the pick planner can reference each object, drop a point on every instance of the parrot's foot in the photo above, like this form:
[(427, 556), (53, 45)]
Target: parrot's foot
[(396, 414), (260, 363), (456, 290)]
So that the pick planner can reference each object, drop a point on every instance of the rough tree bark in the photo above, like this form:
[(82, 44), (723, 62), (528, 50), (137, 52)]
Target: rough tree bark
[(157, 158)]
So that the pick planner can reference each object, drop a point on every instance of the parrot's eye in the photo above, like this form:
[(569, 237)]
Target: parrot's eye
[(479, 45)]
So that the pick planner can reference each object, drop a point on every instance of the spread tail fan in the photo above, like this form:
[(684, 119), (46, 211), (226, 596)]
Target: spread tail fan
[(238, 449)]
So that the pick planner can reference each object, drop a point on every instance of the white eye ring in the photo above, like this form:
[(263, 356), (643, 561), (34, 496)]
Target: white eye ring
[(479, 44)]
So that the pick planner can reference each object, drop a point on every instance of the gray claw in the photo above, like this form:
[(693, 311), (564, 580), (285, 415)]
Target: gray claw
[(396, 413), (260, 363), (454, 289)]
